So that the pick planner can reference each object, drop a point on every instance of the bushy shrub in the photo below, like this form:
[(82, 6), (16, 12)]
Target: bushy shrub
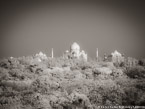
[(89, 73), (140, 85), (80, 100), (136, 72), (26, 60), (4, 63), (104, 91), (132, 96), (4, 74), (141, 62), (69, 83), (106, 64), (117, 73)]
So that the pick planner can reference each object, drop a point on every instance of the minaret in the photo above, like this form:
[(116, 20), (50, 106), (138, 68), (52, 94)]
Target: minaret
[(97, 55), (52, 53)]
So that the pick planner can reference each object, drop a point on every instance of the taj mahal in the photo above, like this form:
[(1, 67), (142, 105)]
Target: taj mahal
[(75, 52)]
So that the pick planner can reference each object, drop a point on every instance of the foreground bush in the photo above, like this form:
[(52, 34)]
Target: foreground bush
[(136, 72), (28, 83)]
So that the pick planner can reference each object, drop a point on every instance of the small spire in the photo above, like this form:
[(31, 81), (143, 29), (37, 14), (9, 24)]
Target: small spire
[(52, 53), (97, 55)]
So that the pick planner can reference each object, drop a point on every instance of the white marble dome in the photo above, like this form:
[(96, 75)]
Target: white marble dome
[(75, 46), (116, 53)]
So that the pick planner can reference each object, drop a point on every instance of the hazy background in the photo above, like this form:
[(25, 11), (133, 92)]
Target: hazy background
[(29, 27)]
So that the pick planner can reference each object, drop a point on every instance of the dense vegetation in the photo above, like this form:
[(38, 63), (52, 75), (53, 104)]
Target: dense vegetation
[(27, 83)]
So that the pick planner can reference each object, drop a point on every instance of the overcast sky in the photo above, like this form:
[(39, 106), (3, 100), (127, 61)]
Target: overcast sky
[(27, 28)]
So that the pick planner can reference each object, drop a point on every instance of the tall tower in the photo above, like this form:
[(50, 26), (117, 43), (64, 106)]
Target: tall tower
[(97, 54), (52, 53)]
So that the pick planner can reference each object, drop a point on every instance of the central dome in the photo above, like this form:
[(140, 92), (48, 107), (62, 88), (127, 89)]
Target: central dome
[(75, 46)]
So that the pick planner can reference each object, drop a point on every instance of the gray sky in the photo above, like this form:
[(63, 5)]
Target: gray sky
[(27, 28)]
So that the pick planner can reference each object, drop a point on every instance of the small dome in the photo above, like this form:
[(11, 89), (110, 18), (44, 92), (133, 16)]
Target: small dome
[(75, 46), (66, 51), (116, 53), (83, 51)]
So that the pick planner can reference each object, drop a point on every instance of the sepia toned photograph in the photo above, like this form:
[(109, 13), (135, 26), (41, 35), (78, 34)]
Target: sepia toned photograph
[(72, 54)]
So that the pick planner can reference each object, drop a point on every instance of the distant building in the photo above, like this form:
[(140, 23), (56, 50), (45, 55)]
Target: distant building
[(75, 52), (83, 55), (41, 56), (116, 57), (67, 55), (105, 57), (131, 62)]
